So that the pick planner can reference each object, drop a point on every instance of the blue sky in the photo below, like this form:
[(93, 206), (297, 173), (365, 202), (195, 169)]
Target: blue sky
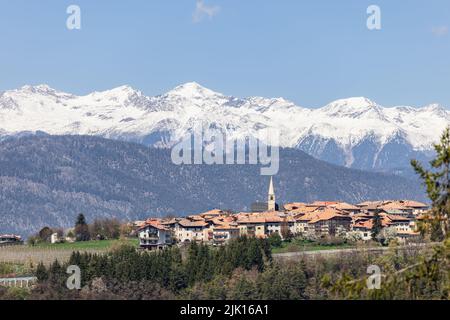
[(311, 52)]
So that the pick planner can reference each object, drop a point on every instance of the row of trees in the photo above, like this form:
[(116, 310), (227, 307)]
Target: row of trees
[(99, 229)]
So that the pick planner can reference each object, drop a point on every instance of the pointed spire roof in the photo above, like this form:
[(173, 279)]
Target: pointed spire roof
[(271, 191)]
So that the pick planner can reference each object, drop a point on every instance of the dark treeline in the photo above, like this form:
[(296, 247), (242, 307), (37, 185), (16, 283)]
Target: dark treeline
[(172, 271)]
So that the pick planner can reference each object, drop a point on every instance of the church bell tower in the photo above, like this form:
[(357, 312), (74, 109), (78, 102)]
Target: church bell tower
[(271, 197)]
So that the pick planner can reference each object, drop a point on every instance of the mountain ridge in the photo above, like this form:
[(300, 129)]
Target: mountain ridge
[(343, 132)]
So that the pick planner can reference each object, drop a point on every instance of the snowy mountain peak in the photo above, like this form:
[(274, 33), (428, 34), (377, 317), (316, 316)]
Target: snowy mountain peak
[(434, 107), (124, 88), (356, 107), (353, 103), (194, 90), (121, 91), (120, 96), (42, 89)]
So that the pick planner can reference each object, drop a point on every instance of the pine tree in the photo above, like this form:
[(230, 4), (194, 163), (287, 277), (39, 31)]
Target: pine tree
[(81, 228), (275, 240), (255, 257), (41, 272), (377, 225), (437, 181), (56, 274)]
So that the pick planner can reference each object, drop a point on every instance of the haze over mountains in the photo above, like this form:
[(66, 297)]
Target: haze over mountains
[(354, 132), (48, 180)]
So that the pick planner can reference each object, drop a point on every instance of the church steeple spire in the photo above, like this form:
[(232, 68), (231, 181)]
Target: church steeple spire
[(271, 197)]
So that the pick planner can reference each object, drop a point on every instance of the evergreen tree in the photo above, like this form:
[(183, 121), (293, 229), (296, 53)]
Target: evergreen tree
[(243, 290), (255, 257), (56, 274), (81, 228), (81, 220), (437, 181), (377, 225), (41, 272), (275, 240)]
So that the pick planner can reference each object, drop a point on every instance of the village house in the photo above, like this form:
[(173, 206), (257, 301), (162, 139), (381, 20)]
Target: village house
[(302, 223), (400, 223), (272, 223), (187, 230), (330, 222), (251, 225), (224, 233), (417, 207), (364, 229), (153, 235), (10, 239)]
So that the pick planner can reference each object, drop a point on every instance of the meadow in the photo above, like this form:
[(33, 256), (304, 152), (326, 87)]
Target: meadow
[(47, 253), (299, 245)]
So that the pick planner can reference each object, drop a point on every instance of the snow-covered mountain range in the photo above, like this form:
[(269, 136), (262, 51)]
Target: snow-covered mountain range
[(354, 132)]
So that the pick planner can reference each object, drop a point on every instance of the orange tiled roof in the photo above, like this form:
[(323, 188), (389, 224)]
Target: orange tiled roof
[(392, 204), (190, 223), (294, 206), (262, 217), (196, 217), (304, 210), (139, 223), (169, 221), (306, 217), (415, 204), (323, 203), (388, 219), (250, 219), (393, 217), (367, 224), (226, 227), (395, 205), (344, 206), (214, 212), (327, 214), (369, 203), (156, 223)]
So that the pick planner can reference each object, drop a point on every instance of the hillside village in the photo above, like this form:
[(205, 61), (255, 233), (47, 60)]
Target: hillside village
[(310, 220)]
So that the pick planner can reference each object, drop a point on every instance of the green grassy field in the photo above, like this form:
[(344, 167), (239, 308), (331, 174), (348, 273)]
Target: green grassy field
[(298, 246), (83, 245), (47, 253)]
